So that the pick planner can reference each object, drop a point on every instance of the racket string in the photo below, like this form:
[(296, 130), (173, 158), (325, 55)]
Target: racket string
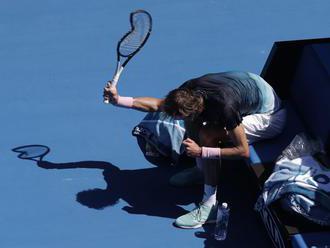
[(141, 26)]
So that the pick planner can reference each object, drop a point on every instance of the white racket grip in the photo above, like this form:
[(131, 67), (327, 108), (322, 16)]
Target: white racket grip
[(114, 80)]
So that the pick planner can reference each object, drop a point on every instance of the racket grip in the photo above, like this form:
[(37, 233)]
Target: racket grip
[(113, 83), (106, 101), (115, 79)]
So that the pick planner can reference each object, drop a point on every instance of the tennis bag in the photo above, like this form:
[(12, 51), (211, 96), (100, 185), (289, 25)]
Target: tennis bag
[(160, 137)]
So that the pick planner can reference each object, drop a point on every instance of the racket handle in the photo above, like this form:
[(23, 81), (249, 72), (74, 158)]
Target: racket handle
[(106, 101), (115, 79), (114, 82)]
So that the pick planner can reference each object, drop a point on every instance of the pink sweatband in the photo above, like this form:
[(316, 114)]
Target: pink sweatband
[(211, 152), (125, 101)]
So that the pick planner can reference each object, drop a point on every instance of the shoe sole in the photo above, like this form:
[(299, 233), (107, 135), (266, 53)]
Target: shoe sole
[(197, 226)]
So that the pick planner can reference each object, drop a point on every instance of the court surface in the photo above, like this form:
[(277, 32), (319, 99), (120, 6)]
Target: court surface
[(97, 190)]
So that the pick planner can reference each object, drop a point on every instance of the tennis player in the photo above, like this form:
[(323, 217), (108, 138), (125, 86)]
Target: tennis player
[(237, 106)]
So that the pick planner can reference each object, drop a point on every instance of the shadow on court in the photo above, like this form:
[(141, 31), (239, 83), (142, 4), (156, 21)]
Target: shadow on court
[(147, 192)]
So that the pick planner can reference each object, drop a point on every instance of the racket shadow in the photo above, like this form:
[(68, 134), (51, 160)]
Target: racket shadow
[(31, 152), (146, 191)]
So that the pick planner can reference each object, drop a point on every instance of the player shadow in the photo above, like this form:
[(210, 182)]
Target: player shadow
[(146, 191)]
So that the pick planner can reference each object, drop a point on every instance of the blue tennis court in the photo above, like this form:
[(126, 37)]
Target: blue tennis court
[(96, 189)]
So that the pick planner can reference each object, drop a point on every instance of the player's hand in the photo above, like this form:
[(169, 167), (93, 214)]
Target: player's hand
[(192, 149), (110, 93)]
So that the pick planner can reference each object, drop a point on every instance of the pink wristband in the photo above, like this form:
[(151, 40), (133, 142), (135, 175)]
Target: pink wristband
[(125, 101), (211, 152)]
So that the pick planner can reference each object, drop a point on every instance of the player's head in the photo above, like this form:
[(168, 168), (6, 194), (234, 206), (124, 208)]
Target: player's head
[(184, 103)]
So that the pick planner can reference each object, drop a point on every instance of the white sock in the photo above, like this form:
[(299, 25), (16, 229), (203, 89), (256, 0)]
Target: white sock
[(210, 195)]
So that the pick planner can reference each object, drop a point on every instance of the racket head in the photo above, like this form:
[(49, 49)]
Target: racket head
[(134, 40), (32, 152)]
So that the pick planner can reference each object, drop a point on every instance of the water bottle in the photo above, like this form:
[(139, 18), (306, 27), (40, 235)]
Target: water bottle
[(220, 231)]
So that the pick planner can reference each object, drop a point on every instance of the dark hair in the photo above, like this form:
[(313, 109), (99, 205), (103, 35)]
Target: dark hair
[(184, 102)]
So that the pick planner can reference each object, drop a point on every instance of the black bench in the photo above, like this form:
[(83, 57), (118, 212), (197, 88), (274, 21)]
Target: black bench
[(299, 71)]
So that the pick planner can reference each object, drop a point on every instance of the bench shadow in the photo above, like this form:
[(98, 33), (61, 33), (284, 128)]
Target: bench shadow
[(245, 229), (146, 191)]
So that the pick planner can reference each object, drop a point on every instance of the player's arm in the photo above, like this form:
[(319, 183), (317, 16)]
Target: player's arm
[(146, 104), (240, 148)]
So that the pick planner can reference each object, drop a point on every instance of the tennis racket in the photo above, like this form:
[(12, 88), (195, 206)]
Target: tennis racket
[(132, 42)]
